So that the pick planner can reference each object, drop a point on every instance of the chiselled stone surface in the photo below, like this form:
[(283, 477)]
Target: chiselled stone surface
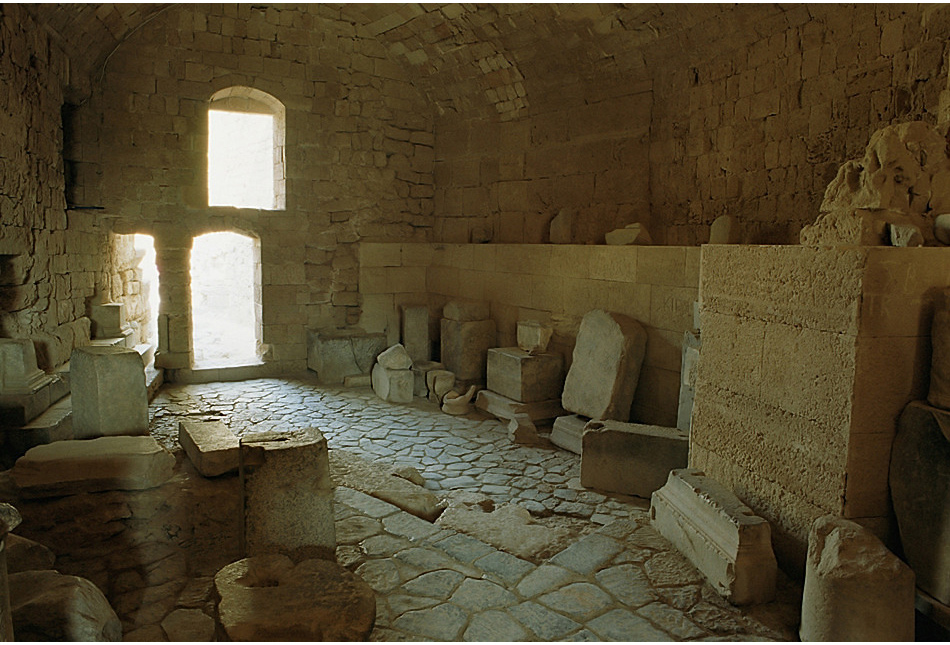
[(211, 446), (269, 598), (334, 357), (522, 376), (288, 495), (106, 463), (719, 534), (855, 589), (415, 333), (392, 385), (465, 347), (568, 432), (108, 392), (630, 458), (920, 491), (606, 367)]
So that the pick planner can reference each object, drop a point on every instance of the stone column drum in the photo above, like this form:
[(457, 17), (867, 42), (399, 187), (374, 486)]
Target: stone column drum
[(287, 495), (109, 394)]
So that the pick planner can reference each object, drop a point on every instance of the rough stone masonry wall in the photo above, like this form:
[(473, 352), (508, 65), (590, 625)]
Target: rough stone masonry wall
[(52, 261), (756, 108), (358, 147), (555, 284)]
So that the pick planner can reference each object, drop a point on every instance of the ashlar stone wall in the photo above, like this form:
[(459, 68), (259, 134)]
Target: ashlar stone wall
[(358, 158)]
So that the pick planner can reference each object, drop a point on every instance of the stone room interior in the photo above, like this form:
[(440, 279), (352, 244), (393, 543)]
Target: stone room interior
[(481, 322)]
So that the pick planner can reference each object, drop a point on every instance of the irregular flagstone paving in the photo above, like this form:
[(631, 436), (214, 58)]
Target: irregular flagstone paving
[(619, 581)]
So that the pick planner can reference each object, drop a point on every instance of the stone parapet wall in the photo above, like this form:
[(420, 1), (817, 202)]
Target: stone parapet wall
[(809, 356), (556, 284)]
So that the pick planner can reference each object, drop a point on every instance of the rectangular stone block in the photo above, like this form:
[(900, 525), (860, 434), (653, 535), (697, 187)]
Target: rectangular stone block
[(211, 446), (466, 311), (533, 336), (394, 386), (419, 371), (465, 347), (523, 418), (606, 367), (83, 466), (287, 494), (568, 432), (108, 392), (108, 321), (415, 333), (630, 458), (518, 375), (335, 356), (54, 424), (19, 373), (720, 535)]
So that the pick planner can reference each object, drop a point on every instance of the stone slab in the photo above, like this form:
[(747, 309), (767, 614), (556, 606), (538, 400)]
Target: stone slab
[(465, 347), (287, 494), (521, 376), (568, 432), (523, 418), (719, 534), (630, 458), (211, 446), (335, 356), (108, 392), (87, 465), (269, 598), (394, 386), (415, 332), (855, 589), (920, 492), (606, 366), (689, 361), (466, 311)]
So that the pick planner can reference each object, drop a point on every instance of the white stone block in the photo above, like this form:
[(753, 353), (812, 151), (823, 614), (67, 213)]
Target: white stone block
[(568, 432), (720, 535), (108, 321), (606, 367), (106, 463), (533, 336), (394, 386), (211, 446), (288, 495), (465, 347), (855, 589), (415, 333), (630, 458), (466, 311), (520, 376), (108, 392)]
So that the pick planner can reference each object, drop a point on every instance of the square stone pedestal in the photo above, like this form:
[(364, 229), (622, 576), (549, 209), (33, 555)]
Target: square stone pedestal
[(108, 321), (24, 388), (287, 494), (520, 376), (108, 392)]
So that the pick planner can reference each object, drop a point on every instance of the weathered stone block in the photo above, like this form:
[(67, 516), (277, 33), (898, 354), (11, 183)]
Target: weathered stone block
[(269, 598), (568, 432), (518, 375), (211, 446), (419, 371), (439, 382), (855, 589), (465, 347), (523, 418), (334, 357), (108, 392), (395, 358), (394, 386), (105, 463), (533, 336), (108, 321), (920, 492), (415, 333), (606, 366), (630, 458), (287, 494), (719, 534), (466, 311)]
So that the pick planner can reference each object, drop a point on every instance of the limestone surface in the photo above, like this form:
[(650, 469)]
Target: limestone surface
[(920, 492), (466, 311), (105, 463), (855, 589), (522, 376), (630, 458), (606, 366), (50, 606), (415, 333), (335, 356), (211, 446), (523, 418), (465, 347), (385, 483), (630, 234), (393, 385), (533, 336), (395, 358), (568, 432), (720, 535), (108, 392), (288, 494), (18, 371), (939, 394), (269, 598)]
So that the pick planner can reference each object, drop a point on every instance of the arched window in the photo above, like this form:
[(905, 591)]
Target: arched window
[(246, 149)]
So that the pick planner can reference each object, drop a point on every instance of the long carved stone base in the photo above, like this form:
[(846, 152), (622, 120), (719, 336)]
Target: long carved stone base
[(523, 418)]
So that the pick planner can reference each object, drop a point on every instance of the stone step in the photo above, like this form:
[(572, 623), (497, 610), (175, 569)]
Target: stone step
[(55, 424)]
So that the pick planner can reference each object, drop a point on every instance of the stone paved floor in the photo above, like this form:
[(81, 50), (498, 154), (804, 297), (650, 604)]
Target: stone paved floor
[(619, 581)]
